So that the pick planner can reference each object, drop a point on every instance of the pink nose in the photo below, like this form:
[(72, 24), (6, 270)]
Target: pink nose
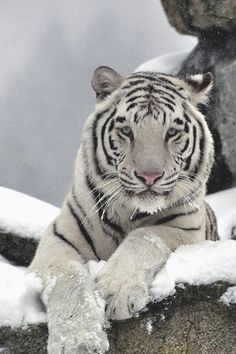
[(150, 178)]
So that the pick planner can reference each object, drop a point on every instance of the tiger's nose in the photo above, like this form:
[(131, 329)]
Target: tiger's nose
[(149, 178)]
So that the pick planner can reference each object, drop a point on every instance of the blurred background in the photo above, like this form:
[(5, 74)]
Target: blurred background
[(49, 50)]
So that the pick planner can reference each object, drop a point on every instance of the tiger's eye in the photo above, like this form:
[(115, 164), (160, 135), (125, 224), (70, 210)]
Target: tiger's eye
[(172, 132), (126, 130)]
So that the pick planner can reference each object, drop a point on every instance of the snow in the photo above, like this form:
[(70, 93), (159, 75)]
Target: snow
[(24, 215), (94, 267), (202, 263), (149, 326), (169, 63), (224, 205), (19, 296)]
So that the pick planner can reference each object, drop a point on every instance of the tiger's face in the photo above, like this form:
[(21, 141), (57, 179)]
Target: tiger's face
[(153, 140)]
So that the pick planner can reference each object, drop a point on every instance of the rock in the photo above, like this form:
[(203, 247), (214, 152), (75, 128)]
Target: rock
[(214, 22), (198, 16), (192, 321), (17, 249), (210, 55)]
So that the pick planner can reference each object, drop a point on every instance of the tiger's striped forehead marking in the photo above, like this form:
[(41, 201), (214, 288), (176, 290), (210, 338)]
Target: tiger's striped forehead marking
[(154, 95)]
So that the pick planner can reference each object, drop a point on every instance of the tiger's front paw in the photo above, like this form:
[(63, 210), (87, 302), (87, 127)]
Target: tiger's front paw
[(63, 341), (124, 291)]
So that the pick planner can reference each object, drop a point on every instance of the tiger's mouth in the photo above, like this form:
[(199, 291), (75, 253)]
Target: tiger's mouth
[(149, 193)]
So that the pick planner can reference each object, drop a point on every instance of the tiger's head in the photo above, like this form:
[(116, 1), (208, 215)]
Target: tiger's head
[(150, 137)]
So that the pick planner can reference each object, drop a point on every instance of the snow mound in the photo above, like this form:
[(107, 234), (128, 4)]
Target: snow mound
[(19, 296), (169, 63), (202, 263), (23, 215)]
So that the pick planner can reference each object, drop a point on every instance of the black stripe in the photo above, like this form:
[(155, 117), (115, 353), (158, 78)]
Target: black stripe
[(120, 119), (201, 148), (131, 99), (109, 159), (128, 182), (164, 117), (174, 90), (133, 83), (138, 216), (161, 92), (132, 105), (146, 77), (130, 93), (156, 79), (63, 238), (111, 126), (111, 144), (82, 229), (178, 121), (186, 127), (174, 174), (174, 216), (190, 228), (161, 80), (121, 136), (177, 138), (169, 101), (185, 146), (166, 105), (168, 183), (95, 142), (186, 116), (188, 160), (126, 174)]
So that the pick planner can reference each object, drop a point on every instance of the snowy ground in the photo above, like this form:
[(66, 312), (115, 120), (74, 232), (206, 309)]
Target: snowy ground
[(24, 215), (202, 263)]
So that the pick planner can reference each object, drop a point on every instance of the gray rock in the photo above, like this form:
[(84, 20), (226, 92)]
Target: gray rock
[(225, 111), (192, 321), (17, 249), (198, 16), (216, 52), (214, 22)]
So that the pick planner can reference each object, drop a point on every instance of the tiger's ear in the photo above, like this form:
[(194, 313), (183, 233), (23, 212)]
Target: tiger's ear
[(199, 86), (105, 80)]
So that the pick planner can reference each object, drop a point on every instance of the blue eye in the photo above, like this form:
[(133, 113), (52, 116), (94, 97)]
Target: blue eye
[(126, 130), (171, 132)]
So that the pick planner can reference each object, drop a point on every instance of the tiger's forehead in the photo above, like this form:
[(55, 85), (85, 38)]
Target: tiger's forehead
[(151, 95)]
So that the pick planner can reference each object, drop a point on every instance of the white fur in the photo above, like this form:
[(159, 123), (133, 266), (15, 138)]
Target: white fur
[(76, 316)]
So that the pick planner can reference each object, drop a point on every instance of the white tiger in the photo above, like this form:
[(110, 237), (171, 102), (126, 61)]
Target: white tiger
[(138, 193)]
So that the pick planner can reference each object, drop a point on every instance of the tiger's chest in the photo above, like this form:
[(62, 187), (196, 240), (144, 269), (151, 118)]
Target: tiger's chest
[(118, 223)]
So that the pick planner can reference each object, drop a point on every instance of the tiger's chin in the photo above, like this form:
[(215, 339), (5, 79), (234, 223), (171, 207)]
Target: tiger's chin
[(149, 201)]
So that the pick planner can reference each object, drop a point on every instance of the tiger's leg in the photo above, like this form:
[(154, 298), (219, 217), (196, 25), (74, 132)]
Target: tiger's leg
[(75, 315), (125, 279)]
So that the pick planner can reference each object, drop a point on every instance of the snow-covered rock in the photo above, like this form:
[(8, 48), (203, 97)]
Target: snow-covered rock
[(19, 296), (203, 263), (23, 215)]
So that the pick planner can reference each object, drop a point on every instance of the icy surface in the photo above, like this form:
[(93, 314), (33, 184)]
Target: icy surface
[(24, 215), (201, 263)]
